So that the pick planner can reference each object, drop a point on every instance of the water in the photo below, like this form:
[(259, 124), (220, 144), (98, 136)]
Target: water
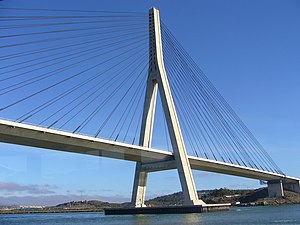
[(247, 215)]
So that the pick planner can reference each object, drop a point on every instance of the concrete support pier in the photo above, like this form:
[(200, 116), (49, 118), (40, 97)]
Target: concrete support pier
[(275, 189), (292, 186)]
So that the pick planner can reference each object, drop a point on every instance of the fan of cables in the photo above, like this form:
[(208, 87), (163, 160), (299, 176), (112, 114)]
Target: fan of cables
[(80, 71), (211, 129)]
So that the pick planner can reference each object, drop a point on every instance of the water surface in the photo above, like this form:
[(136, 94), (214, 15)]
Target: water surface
[(245, 215)]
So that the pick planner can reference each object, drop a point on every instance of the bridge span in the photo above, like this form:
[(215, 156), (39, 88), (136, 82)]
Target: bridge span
[(153, 159)]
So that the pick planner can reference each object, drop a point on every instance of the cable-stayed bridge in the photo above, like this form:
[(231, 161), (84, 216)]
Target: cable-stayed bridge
[(114, 84)]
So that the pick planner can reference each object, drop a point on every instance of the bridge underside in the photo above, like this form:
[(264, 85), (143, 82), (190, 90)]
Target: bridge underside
[(153, 160)]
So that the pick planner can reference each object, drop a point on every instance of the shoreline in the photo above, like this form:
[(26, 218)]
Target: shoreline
[(48, 211), (22, 211)]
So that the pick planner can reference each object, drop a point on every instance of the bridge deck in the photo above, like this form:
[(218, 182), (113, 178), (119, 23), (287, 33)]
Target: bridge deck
[(29, 135)]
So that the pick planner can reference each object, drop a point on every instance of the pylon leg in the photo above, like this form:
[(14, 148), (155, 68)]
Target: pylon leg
[(140, 178), (139, 187)]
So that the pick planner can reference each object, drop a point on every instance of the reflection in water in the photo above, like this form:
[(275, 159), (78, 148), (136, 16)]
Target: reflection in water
[(141, 219), (192, 218)]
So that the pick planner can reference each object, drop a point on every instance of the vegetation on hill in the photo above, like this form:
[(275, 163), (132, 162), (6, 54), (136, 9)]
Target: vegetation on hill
[(223, 195)]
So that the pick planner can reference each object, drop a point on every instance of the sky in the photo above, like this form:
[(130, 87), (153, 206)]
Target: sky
[(250, 50)]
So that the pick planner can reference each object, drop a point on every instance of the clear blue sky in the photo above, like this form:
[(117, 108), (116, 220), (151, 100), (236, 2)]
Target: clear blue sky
[(250, 50)]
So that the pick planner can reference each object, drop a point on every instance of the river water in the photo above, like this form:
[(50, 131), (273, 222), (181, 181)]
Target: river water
[(289, 214)]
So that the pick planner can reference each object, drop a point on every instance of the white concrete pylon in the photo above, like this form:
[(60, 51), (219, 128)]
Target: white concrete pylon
[(157, 78)]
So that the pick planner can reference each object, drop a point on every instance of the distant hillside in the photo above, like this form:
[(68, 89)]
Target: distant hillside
[(245, 197), (94, 204)]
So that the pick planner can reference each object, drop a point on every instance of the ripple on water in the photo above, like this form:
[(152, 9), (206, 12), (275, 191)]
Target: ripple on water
[(237, 216)]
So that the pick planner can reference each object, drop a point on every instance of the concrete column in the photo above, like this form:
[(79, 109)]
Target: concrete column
[(139, 187), (275, 189), (294, 186), (140, 177)]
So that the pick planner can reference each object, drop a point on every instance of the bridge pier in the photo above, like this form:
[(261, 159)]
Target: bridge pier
[(157, 80), (139, 186), (292, 186), (275, 189)]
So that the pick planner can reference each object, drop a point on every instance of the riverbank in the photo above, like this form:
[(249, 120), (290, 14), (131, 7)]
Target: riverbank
[(258, 197)]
